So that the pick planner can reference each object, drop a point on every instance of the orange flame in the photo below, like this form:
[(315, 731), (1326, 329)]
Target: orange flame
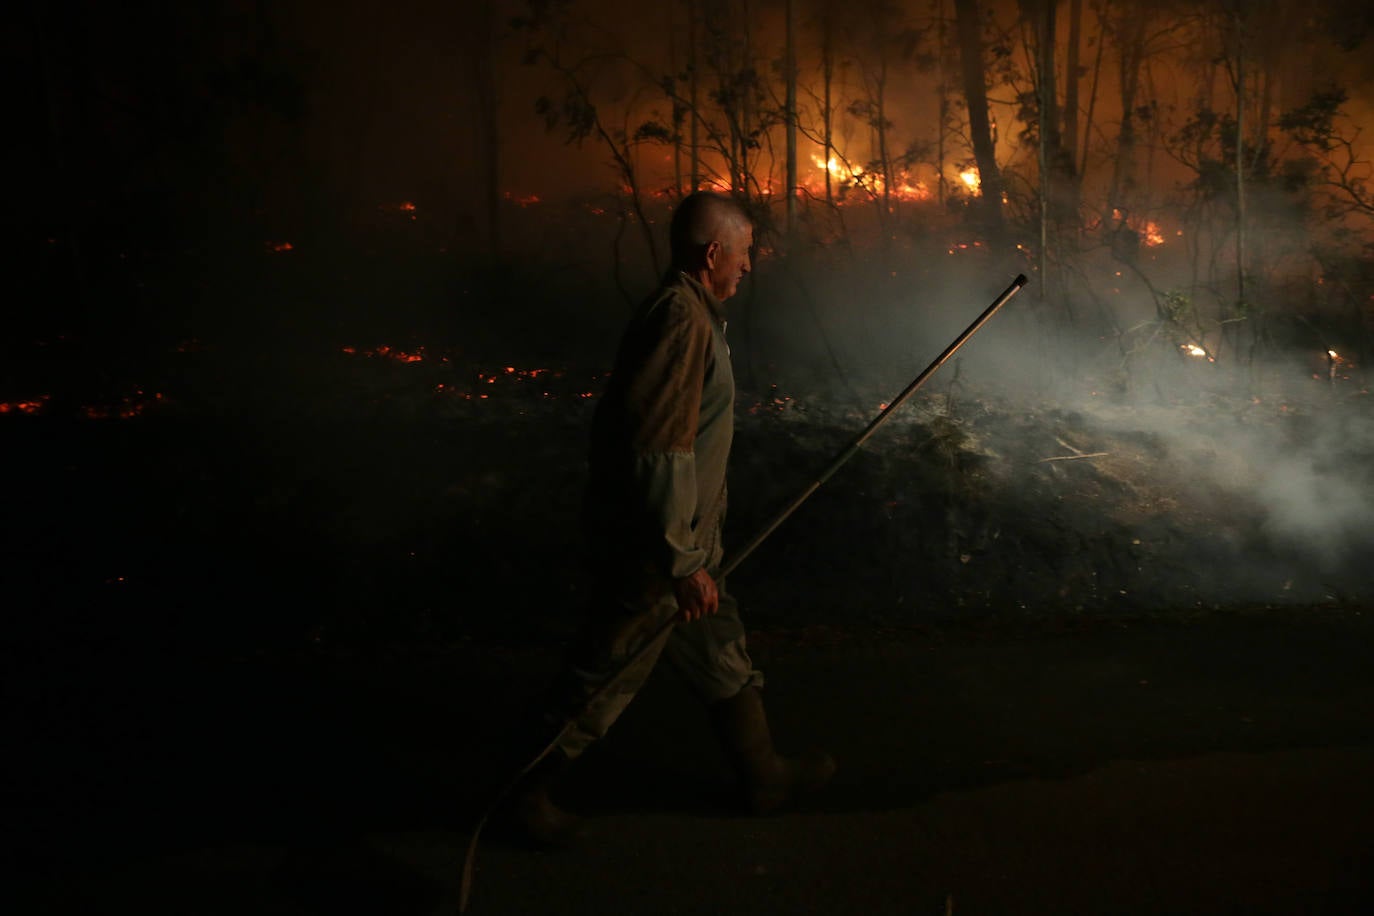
[(853, 176), (24, 407), (388, 353), (1193, 349), (126, 409)]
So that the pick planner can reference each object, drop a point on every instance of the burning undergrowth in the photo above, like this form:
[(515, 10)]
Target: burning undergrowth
[(405, 492), (1000, 508), (965, 507)]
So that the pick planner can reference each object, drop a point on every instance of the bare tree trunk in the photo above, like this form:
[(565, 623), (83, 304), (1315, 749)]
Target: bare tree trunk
[(1092, 93), (828, 118), (1071, 171), (1046, 27), (677, 106), (884, 160), (484, 73), (1071, 65), (1049, 128), (943, 104), (745, 109), (1132, 54), (1241, 100), (1040, 14), (980, 124), (693, 43), (730, 98), (791, 116)]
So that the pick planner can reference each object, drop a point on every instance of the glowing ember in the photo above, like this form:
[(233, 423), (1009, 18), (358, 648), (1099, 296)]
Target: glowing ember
[(500, 382), (24, 407), (1193, 350), (126, 409), (280, 247), (405, 208), (388, 353), (527, 201), (1151, 235)]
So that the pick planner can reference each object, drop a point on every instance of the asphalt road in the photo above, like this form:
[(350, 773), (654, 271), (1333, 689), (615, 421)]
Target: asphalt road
[(1219, 765)]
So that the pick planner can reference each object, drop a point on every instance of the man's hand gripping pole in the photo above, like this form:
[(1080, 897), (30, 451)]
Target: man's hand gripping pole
[(731, 564)]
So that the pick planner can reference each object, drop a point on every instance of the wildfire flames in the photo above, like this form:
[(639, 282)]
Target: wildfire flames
[(125, 408), (1193, 349), (522, 385), (24, 407), (485, 382), (1336, 366), (1151, 234), (405, 208), (772, 403), (389, 353), (844, 177)]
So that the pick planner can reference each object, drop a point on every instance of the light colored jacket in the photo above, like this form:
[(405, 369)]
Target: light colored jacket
[(661, 438)]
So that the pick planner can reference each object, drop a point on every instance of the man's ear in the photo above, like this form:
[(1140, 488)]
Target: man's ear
[(712, 249)]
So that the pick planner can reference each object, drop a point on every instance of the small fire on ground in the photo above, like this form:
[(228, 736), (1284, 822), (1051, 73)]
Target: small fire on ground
[(1193, 349), (844, 176), (550, 383), (123, 408)]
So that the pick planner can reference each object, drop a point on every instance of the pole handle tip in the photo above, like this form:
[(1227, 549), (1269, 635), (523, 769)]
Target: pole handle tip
[(1020, 280)]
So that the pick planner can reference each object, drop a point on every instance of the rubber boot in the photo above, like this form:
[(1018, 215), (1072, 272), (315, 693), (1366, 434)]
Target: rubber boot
[(530, 813), (768, 781)]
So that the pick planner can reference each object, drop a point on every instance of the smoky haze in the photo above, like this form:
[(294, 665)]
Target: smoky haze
[(1260, 472), (476, 181), (1266, 467)]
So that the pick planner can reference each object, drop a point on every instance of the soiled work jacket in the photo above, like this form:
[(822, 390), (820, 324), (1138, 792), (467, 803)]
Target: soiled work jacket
[(661, 438)]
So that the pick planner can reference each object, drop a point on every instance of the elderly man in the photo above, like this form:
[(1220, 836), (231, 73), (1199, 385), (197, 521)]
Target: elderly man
[(654, 507)]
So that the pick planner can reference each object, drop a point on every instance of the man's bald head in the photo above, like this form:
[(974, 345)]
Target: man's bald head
[(704, 217)]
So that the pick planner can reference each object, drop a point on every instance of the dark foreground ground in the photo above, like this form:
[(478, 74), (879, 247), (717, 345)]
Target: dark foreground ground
[(262, 632), (1216, 764)]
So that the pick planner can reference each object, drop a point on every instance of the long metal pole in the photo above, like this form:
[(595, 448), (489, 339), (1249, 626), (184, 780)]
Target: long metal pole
[(878, 421), (731, 565)]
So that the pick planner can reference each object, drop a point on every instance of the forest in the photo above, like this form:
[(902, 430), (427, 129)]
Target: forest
[(287, 214), (314, 305), (379, 265)]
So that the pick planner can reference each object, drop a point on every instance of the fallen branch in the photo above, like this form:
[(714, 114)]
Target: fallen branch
[(1066, 445), (1074, 457)]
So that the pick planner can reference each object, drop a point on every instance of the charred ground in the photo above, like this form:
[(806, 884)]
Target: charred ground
[(258, 608), (308, 484)]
